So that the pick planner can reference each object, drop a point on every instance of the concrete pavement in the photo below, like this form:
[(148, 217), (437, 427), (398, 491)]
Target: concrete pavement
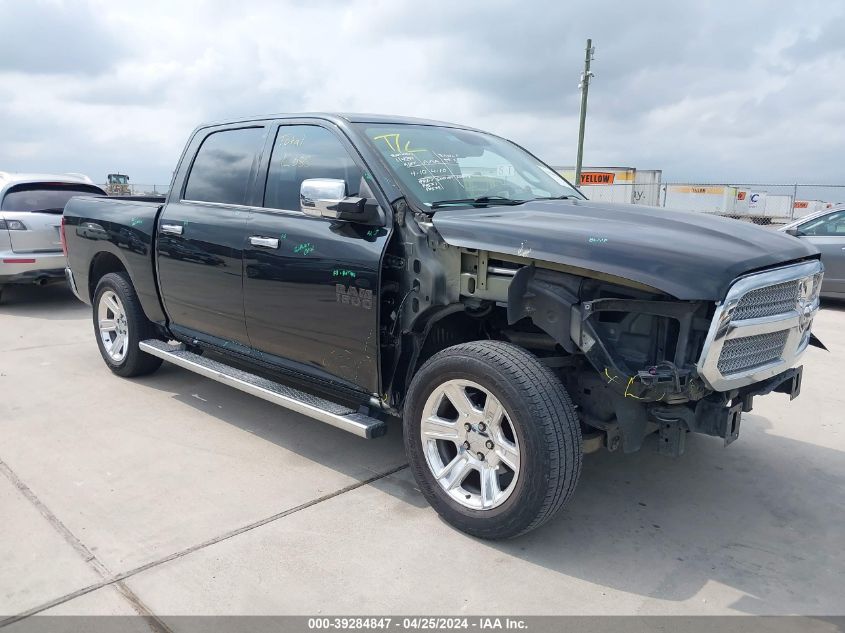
[(171, 494)]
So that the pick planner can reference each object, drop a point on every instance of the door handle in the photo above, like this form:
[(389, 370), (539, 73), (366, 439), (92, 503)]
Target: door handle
[(172, 229), (266, 242)]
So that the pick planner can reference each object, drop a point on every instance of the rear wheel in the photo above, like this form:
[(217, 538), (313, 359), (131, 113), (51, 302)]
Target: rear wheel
[(120, 324), (493, 439)]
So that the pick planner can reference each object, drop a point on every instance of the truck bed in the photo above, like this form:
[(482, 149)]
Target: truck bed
[(120, 227)]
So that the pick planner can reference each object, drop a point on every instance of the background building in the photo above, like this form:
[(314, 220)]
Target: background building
[(762, 204)]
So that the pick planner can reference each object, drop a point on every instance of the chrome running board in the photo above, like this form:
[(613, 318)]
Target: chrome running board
[(315, 407)]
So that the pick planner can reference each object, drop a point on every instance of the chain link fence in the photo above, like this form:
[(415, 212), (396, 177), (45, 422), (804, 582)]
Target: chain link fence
[(761, 203), (133, 189)]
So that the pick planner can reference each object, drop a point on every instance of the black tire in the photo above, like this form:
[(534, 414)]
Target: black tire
[(139, 328), (542, 418)]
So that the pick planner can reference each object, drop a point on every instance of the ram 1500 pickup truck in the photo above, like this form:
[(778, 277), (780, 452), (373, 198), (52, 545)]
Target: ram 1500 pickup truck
[(361, 268)]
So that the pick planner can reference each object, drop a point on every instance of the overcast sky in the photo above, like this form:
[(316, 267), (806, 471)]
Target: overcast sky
[(737, 90)]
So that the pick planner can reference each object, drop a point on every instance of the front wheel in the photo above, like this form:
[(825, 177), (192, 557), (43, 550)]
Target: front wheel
[(492, 438), (120, 324)]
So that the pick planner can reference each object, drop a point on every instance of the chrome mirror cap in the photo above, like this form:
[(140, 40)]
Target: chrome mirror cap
[(319, 197)]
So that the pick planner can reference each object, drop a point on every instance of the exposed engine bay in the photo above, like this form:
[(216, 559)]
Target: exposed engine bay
[(627, 353)]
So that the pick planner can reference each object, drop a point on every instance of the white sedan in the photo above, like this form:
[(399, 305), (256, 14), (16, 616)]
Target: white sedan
[(31, 208)]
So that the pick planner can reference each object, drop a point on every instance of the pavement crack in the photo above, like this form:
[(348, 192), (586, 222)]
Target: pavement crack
[(117, 579), (153, 621), (86, 554), (80, 548), (31, 347)]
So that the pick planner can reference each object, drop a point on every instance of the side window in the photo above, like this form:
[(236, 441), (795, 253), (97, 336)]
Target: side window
[(222, 168), (832, 225), (306, 151)]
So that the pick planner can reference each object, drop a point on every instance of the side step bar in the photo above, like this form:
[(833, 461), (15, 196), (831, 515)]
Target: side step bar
[(315, 407)]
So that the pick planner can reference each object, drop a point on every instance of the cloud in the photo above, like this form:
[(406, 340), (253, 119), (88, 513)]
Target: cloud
[(39, 37), (705, 91)]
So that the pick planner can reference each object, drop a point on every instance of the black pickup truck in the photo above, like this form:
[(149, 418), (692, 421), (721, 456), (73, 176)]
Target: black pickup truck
[(359, 268)]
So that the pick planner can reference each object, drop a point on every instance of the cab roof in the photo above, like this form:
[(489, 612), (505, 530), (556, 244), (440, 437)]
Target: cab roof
[(343, 117)]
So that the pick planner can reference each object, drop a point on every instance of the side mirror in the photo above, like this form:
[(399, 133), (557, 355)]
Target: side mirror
[(319, 197), (326, 198), (795, 232)]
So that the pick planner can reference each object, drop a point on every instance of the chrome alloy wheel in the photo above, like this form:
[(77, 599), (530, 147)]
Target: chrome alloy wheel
[(114, 331), (470, 445)]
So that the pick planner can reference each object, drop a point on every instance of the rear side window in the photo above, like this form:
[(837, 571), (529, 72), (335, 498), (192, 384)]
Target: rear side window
[(307, 151), (224, 165), (50, 197)]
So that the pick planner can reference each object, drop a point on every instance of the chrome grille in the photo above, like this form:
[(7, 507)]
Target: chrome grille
[(762, 327), (748, 352), (768, 301)]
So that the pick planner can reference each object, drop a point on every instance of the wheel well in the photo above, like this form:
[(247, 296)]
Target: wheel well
[(103, 264), (451, 330), (445, 328)]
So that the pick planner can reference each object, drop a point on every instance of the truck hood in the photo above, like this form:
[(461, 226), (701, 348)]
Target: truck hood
[(691, 256)]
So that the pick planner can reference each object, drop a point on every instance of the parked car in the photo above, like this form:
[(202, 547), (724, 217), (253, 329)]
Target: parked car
[(341, 261), (826, 231), (30, 215)]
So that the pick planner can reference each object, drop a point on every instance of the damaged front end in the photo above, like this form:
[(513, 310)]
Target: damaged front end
[(642, 362)]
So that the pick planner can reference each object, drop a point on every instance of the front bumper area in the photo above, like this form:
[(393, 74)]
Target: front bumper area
[(762, 327), (719, 414)]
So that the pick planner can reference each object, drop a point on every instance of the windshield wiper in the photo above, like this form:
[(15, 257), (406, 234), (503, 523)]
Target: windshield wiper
[(48, 210), (479, 200), (564, 197)]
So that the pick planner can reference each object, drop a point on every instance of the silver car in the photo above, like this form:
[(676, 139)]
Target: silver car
[(826, 231), (31, 208)]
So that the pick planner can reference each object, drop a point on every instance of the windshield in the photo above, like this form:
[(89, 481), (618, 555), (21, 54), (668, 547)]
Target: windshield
[(45, 196), (446, 166)]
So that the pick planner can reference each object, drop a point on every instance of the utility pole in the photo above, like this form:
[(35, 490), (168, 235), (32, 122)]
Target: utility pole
[(584, 86), (794, 200)]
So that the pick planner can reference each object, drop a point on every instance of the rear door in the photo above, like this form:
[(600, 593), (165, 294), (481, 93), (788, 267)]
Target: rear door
[(827, 233), (311, 284), (35, 209), (201, 235)]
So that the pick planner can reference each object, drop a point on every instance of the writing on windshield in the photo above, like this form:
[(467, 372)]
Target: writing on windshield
[(440, 163)]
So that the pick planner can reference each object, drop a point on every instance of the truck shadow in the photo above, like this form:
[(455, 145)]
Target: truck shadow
[(54, 302), (835, 305), (757, 517), (318, 442), (760, 517)]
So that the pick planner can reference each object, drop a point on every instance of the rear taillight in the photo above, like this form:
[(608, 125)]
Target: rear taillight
[(62, 236)]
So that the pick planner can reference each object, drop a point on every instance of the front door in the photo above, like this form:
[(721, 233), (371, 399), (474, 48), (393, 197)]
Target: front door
[(311, 284), (201, 235)]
